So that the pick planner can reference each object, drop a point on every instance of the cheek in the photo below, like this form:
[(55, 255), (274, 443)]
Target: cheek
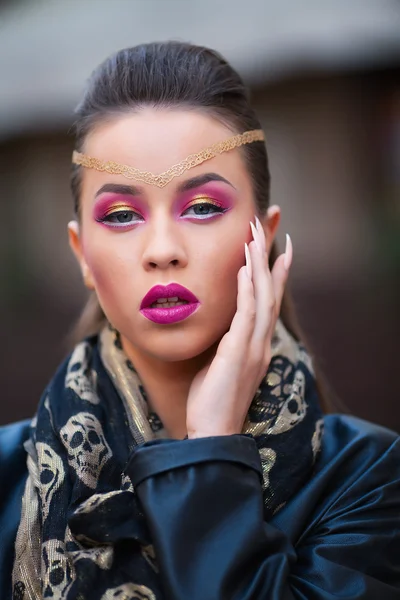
[(224, 266), (105, 252), (221, 259), (110, 263)]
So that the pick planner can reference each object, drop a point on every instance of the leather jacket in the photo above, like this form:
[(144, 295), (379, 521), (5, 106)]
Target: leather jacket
[(339, 537)]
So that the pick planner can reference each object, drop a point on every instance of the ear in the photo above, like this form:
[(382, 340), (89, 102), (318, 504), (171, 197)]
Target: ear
[(76, 247), (270, 224)]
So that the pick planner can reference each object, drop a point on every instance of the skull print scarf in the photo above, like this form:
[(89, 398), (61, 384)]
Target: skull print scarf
[(82, 533)]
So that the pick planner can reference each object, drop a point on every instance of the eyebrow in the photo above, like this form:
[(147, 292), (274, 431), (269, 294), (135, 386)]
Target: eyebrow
[(194, 182), (117, 188), (189, 184)]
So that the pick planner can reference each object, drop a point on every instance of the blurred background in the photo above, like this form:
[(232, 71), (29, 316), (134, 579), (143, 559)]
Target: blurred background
[(325, 82)]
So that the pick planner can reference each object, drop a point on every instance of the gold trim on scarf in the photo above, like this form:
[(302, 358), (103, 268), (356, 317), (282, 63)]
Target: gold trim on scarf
[(127, 384)]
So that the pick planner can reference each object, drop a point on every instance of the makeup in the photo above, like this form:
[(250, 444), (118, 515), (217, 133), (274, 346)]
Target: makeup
[(119, 210), (211, 199), (168, 304), (205, 203)]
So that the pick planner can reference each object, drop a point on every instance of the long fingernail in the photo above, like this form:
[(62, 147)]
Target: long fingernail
[(256, 237), (287, 261), (260, 231), (248, 260)]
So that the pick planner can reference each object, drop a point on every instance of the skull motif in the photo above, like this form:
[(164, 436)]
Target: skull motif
[(80, 378), (294, 408), (58, 571), (279, 403), (88, 450), (51, 474), (129, 591)]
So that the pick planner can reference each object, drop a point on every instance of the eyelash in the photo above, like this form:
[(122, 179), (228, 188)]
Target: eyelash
[(215, 205), (114, 214)]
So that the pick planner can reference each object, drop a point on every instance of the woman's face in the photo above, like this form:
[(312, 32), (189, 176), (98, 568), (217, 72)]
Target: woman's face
[(134, 236)]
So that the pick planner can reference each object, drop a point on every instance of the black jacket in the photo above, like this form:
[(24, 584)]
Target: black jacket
[(339, 537)]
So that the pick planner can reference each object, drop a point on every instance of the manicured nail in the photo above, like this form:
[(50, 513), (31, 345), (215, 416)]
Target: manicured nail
[(248, 260), (260, 231), (256, 237), (287, 261)]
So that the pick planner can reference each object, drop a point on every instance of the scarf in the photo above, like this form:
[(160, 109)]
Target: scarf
[(82, 533)]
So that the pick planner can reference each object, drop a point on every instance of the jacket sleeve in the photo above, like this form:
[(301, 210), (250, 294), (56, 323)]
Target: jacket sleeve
[(202, 499)]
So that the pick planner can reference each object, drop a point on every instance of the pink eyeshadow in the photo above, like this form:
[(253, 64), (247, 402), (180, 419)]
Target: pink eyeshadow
[(108, 201), (209, 190)]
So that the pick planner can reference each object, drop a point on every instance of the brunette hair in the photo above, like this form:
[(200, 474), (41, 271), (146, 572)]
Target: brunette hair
[(175, 75)]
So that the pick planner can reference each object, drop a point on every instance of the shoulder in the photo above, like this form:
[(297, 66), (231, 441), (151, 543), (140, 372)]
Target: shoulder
[(347, 428), (12, 453), (350, 439), (13, 474), (12, 438), (13, 469), (358, 457), (357, 473)]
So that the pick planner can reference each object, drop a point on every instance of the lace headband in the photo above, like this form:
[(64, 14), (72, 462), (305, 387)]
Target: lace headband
[(161, 180)]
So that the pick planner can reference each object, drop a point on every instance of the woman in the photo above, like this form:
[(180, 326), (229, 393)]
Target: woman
[(180, 451)]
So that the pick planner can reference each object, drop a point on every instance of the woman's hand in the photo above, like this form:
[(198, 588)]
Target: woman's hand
[(221, 393)]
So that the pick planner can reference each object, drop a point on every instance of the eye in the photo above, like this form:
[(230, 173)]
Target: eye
[(46, 476), (76, 440), (56, 575), (93, 437), (121, 218), (203, 210)]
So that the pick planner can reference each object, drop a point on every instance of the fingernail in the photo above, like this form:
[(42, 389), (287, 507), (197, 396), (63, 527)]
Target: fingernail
[(248, 260), (256, 237), (260, 231), (287, 261)]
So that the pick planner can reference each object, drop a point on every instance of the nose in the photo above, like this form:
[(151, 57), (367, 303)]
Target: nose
[(87, 447), (164, 247)]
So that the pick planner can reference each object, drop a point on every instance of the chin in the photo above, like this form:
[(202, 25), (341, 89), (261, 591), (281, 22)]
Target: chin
[(171, 348), (172, 344)]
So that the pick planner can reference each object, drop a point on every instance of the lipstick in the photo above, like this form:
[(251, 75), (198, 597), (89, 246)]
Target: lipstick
[(165, 304)]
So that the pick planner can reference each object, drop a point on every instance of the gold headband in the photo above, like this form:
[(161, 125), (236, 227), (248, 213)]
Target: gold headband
[(161, 180)]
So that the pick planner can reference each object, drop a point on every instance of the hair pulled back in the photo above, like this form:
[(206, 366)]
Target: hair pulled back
[(171, 75)]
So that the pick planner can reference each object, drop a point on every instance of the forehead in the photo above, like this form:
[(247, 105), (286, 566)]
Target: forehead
[(155, 139)]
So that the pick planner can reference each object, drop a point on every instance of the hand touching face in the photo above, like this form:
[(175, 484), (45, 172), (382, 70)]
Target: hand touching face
[(221, 393)]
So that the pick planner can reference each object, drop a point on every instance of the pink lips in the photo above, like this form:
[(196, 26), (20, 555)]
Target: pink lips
[(173, 314)]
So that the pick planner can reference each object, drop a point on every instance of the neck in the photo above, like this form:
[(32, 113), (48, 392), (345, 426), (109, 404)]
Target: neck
[(167, 384)]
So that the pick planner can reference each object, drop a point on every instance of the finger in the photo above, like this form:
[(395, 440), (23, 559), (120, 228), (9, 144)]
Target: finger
[(288, 252), (243, 320), (263, 291), (280, 273), (238, 338), (260, 230), (248, 261)]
